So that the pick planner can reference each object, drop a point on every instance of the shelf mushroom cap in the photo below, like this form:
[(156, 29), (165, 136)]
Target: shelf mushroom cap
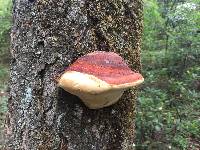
[(99, 78)]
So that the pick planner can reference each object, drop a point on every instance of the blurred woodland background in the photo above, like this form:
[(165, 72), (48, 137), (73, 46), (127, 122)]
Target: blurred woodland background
[(168, 106)]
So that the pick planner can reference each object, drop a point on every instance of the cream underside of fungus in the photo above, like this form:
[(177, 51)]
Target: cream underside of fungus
[(99, 78), (94, 92)]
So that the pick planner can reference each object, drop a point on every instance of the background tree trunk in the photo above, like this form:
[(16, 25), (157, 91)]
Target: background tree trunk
[(47, 36)]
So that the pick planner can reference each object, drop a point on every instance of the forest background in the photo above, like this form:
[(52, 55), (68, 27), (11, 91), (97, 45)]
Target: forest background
[(168, 105)]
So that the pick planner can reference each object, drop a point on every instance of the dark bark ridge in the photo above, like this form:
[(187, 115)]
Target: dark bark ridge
[(47, 36)]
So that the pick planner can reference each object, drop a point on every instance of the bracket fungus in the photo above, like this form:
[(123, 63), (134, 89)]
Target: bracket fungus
[(99, 79)]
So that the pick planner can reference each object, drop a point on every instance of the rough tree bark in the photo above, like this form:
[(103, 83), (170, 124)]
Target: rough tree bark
[(47, 36)]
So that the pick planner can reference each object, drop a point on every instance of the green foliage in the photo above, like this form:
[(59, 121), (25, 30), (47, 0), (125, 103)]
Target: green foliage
[(169, 102), (3, 99), (4, 73), (5, 23), (168, 110), (5, 7), (3, 109), (3, 85), (152, 21), (5, 13)]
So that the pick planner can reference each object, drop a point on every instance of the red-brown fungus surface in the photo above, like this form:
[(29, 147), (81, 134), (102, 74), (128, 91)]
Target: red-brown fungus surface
[(107, 66)]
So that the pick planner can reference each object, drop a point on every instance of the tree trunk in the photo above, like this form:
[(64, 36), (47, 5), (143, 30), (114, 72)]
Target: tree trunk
[(47, 36)]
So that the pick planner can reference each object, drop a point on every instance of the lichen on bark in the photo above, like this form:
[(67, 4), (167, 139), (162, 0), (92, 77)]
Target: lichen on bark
[(47, 36)]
